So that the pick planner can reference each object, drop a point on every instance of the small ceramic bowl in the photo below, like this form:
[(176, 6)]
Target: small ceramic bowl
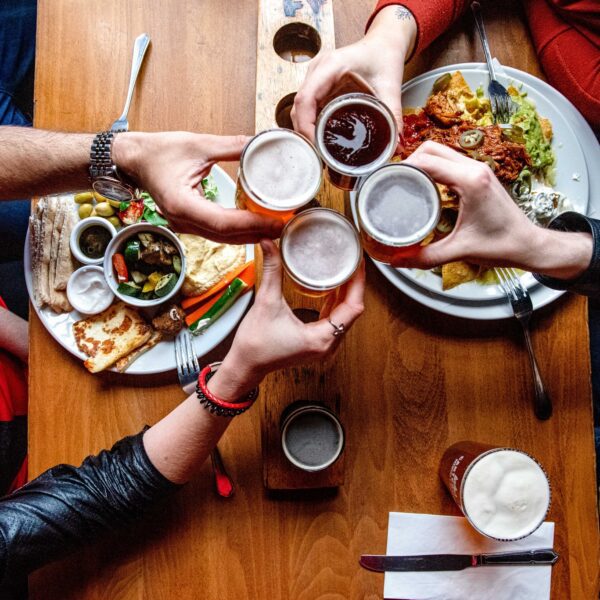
[(76, 234), (80, 292), (117, 244)]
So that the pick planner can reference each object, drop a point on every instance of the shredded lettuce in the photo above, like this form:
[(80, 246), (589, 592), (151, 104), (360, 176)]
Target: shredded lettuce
[(209, 185)]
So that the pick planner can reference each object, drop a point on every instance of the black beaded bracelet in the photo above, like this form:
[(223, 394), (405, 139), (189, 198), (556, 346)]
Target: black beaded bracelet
[(218, 409)]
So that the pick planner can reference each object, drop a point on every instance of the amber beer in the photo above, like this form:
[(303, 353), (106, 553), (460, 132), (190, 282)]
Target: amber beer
[(320, 250), (504, 493), (280, 171), (398, 206), (355, 134)]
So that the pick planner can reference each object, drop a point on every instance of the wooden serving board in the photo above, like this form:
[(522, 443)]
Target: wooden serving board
[(278, 79)]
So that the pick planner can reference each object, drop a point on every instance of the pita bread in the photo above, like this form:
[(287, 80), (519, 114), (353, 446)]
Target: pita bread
[(110, 335)]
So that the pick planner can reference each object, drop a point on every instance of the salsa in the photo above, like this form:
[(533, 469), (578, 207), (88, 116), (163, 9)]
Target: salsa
[(94, 240)]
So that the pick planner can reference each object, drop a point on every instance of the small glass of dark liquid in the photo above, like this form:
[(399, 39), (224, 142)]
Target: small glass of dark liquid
[(355, 135)]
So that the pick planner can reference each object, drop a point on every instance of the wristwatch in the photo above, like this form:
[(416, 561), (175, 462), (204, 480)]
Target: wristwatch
[(104, 175)]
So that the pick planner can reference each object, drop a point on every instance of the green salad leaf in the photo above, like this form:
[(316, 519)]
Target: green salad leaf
[(209, 185)]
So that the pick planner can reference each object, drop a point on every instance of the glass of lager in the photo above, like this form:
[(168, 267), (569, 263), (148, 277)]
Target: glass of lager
[(504, 493), (320, 250), (280, 171), (355, 134), (398, 206)]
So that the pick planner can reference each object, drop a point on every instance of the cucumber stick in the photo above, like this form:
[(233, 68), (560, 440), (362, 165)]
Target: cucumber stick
[(236, 288)]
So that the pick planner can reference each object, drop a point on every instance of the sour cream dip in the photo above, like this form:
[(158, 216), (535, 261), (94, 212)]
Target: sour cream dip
[(505, 494), (88, 292)]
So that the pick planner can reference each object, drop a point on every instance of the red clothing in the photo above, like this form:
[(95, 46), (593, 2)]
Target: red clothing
[(565, 33), (13, 422)]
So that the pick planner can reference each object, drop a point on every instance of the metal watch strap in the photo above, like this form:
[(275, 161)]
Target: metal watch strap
[(101, 164)]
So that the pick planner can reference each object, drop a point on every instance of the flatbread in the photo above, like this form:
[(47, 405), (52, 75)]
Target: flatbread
[(207, 263), (65, 265), (110, 335)]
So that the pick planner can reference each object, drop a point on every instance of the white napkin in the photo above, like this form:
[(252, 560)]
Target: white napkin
[(410, 534)]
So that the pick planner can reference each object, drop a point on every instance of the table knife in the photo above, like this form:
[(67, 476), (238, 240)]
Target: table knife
[(456, 562)]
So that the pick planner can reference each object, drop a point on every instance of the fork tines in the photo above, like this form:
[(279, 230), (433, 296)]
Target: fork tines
[(187, 362)]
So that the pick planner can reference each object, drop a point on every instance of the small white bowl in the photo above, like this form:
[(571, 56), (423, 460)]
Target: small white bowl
[(117, 244), (78, 303), (76, 234)]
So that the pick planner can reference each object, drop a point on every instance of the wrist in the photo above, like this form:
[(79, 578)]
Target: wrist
[(560, 254), (126, 152), (232, 382), (396, 27)]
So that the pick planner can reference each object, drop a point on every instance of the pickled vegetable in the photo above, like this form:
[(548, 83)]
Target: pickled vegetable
[(473, 138), (85, 210), (104, 209), (441, 83), (84, 198)]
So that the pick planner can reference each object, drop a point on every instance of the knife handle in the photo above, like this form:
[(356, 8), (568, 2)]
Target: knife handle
[(528, 557)]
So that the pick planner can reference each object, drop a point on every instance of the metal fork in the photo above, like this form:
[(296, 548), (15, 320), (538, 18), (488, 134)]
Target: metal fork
[(502, 105), (188, 370), (522, 307), (139, 51)]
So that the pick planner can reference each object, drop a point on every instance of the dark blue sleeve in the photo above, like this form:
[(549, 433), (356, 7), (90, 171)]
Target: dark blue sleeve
[(588, 283), (66, 507)]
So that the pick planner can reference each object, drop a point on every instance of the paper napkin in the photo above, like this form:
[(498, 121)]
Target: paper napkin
[(410, 534)]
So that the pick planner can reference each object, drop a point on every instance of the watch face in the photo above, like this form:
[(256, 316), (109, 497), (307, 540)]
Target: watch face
[(112, 189)]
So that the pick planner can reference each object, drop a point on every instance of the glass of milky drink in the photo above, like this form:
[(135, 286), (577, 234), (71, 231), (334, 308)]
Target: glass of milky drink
[(398, 206), (355, 134), (504, 493), (280, 171), (312, 437), (320, 251)]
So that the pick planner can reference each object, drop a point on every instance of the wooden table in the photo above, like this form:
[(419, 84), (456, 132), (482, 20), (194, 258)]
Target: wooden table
[(416, 381)]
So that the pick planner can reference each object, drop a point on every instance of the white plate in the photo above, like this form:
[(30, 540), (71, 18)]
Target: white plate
[(540, 295), (569, 160), (161, 358)]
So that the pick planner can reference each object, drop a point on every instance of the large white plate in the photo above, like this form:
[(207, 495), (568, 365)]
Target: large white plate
[(569, 160), (162, 357), (540, 295)]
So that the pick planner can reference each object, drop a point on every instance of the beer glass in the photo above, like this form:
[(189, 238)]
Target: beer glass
[(398, 206), (280, 171), (355, 134), (320, 250), (503, 493)]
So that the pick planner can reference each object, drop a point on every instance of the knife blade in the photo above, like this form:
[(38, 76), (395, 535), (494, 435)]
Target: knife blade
[(455, 562)]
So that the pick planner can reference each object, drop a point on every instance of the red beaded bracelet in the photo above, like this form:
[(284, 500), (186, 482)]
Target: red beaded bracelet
[(217, 405)]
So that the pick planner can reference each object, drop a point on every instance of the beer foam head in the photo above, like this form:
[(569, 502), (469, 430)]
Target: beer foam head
[(320, 249), (398, 205), (282, 169), (506, 494)]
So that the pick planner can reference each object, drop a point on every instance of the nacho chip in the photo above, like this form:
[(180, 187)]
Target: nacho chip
[(457, 272)]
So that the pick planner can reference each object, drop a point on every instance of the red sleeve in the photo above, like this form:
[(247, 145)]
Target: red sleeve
[(569, 53), (433, 17)]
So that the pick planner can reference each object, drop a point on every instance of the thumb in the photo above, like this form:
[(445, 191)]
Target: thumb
[(223, 147), (432, 255), (270, 286), (391, 97)]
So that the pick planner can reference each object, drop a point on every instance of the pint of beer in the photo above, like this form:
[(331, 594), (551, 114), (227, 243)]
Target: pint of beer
[(280, 171), (355, 134), (398, 206), (320, 250), (504, 493)]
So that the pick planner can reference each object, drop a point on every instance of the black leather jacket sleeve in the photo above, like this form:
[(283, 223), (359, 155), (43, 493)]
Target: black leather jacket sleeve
[(588, 283), (67, 506)]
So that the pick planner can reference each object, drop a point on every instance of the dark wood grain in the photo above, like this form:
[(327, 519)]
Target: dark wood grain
[(413, 381)]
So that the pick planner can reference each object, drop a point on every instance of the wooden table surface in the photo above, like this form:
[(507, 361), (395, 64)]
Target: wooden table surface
[(416, 381)]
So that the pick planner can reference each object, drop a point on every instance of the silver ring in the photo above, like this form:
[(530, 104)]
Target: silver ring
[(337, 329)]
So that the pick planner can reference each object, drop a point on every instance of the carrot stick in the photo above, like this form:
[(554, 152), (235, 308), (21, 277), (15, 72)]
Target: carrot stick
[(229, 277), (248, 277)]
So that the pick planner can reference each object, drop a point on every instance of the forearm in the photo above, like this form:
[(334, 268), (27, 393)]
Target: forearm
[(396, 28), (431, 17), (14, 335), (36, 162), (180, 443)]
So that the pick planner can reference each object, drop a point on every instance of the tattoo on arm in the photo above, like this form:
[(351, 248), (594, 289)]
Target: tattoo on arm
[(402, 13)]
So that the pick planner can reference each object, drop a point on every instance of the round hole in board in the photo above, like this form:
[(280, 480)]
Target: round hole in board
[(282, 111), (297, 42)]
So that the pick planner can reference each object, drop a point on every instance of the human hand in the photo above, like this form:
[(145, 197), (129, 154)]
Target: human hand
[(375, 63), (171, 167), (491, 229), (271, 337)]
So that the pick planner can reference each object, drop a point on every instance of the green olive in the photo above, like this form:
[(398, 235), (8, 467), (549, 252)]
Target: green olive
[(104, 209), (441, 83), (84, 198), (115, 221), (473, 138), (85, 210)]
